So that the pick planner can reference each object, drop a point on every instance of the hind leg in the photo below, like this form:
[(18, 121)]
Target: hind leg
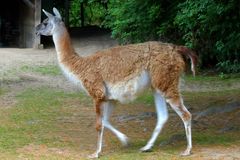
[(185, 115), (162, 116)]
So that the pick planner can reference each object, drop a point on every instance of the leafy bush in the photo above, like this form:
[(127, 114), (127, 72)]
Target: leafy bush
[(212, 28), (74, 13), (133, 21), (94, 13)]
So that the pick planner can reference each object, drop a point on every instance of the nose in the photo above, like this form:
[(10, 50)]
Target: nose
[(37, 28)]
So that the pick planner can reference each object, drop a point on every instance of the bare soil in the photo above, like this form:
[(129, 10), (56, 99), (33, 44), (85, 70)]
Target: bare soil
[(13, 79)]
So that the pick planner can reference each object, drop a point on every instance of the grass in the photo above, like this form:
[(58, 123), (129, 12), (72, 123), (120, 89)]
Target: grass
[(11, 75), (141, 156), (44, 70), (2, 91), (33, 118), (7, 76), (40, 118), (212, 79), (60, 120), (209, 138)]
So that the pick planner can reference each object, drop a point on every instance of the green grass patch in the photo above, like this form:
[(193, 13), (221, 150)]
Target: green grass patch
[(227, 78), (211, 138), (44, 70), (2, 91), (205, 99), (143, 156), (146, 98), (33, 120)]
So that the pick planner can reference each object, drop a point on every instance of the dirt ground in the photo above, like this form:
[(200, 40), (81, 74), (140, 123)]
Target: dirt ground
[(13, 59), (14, 79)]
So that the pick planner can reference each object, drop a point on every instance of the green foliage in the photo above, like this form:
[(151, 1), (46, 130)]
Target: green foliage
[(94, 13), (212, 28), (229, 66), (133, 21), (74, 14), (137, 20)]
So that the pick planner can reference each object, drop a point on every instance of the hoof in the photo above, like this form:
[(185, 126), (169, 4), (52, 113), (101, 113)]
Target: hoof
[(93, 156), (146, 149), (187, 152), (124, 140)]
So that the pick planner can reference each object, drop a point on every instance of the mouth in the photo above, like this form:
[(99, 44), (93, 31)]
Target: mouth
[(38, 29), (37, 33)]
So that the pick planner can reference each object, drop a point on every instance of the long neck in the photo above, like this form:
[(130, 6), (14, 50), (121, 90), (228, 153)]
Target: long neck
[(63, 44)]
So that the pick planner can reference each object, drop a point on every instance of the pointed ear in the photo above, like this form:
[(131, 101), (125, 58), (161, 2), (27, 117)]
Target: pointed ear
[(49, 15), (57, 14)]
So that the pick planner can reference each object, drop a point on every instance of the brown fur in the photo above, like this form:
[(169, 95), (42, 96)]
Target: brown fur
[(98, 115)]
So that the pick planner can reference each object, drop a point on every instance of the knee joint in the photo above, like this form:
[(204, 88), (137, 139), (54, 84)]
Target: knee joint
[(187, 116), (98, 127)]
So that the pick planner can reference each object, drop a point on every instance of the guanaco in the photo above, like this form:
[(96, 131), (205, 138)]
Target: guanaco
[(121, 73)]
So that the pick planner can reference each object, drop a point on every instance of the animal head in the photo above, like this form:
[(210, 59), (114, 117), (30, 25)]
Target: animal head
[(50, 24)]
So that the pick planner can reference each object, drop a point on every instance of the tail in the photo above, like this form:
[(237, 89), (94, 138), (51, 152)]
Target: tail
[(191, 54)]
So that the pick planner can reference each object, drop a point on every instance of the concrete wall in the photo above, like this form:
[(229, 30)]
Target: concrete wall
[(18, 20), (27, 26)]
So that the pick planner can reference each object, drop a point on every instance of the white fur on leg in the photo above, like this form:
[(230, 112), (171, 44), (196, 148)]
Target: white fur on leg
[(162, 116), (187, 125), (99, 144), (122, 137), (106, 113)]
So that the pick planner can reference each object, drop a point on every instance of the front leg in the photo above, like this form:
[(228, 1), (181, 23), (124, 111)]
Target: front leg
[(99, 144), (99, 128), (96, 89)]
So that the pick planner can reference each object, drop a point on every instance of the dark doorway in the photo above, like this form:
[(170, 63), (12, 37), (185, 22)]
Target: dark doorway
[(9, 23)]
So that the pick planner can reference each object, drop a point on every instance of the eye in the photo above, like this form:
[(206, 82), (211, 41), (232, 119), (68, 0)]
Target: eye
[(45, 22)]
